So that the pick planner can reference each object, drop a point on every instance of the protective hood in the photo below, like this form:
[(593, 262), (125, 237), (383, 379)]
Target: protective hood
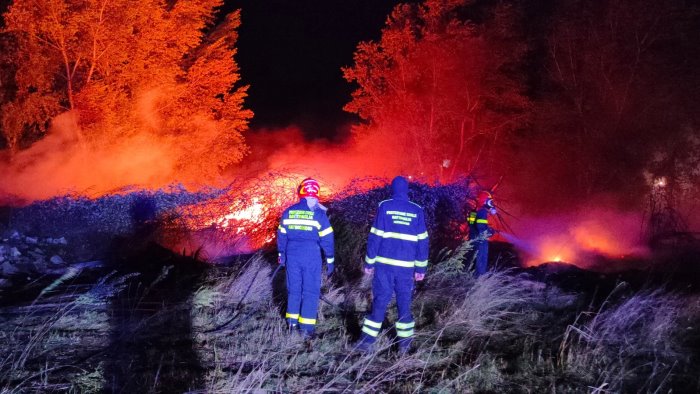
[(399, 188)]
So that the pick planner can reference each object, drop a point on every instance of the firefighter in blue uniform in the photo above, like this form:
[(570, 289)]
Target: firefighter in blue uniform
[(480, 231), (397, 253), (303, 232)]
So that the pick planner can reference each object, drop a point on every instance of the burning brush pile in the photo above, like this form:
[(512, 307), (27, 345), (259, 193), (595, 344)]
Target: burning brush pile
[(240, 219), (244, 217)]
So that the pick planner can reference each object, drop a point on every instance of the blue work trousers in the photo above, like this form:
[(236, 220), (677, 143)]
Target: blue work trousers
[(303, 288), (389, 281), (481, 248)]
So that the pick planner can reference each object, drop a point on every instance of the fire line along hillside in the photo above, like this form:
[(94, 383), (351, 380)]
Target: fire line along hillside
[(93, 301)]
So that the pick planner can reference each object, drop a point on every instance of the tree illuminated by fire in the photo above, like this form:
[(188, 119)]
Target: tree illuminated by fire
[(440, 85), (126, 67)]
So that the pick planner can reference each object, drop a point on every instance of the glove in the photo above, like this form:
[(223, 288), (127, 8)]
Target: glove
[(329, 269), (281, 260)]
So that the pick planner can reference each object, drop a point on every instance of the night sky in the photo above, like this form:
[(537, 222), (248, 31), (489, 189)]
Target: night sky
[(291, 52)]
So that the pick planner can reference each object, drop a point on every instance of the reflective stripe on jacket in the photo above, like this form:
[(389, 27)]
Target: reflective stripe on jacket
[(301, 226), (478, 223), (398, 236)]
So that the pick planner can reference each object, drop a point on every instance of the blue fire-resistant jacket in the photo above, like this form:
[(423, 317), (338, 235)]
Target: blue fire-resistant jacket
[(302, 231), (398, 236), (479, 223)]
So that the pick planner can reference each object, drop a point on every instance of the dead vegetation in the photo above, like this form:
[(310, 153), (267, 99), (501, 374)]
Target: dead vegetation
[(502, 333)]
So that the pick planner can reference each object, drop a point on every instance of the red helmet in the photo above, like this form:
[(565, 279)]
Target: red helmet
[(483, 198), (309, 187)]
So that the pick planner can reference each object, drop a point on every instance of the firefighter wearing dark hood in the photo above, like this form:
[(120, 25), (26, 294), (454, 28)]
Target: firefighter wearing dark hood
[(397, 254), (304, 232), (480, 231)]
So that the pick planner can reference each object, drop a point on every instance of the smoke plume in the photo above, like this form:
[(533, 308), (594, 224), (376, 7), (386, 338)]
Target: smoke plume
[(62, 164)]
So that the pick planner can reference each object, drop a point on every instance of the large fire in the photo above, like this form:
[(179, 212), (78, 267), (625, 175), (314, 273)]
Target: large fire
[(242, 218)]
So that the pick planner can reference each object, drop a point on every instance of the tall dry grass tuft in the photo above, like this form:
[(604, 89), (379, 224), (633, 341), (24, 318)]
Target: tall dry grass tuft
[(43, 340), (228, 292), (252, 285), (452, 263), (636, 344), (496, 303), (456, 345)]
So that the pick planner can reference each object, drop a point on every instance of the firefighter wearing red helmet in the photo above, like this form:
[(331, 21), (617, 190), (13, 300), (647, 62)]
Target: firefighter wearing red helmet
[(304, 231), (480, 231)]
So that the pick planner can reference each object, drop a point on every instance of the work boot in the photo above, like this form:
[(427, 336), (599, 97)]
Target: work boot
[(292, 328), (404, 345), (363, 347), (404, 349), (308, 335)]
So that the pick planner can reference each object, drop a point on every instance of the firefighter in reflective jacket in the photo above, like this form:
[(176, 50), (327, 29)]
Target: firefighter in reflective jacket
[(480, 231), (303, 232), (397, 253)]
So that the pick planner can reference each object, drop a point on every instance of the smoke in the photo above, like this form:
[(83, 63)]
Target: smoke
[(61, 163), (146, 148), (334, 163), (581, 235)]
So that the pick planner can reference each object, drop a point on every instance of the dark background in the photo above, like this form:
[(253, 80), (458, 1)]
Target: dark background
[(291, 52)]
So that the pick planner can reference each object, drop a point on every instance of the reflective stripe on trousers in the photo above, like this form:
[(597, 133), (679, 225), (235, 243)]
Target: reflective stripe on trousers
[(389, 281), (303, 290)]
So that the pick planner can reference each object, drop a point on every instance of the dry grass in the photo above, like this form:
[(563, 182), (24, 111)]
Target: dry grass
[(480, 335), (260, 355), (496, 304), (226, 333), (44, 339), (249, 287), (636, 343), (500, 333)]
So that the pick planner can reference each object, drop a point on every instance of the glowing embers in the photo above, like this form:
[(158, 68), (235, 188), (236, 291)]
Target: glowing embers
[(586, 239), (659, 182), (252, 213), (570, 249), (259, 203), (248, 215), (552, 249), (252, 219)]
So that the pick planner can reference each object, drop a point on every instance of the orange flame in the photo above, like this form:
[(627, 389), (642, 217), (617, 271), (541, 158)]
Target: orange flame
[(245, 218), (574, 239), (552, 249)]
